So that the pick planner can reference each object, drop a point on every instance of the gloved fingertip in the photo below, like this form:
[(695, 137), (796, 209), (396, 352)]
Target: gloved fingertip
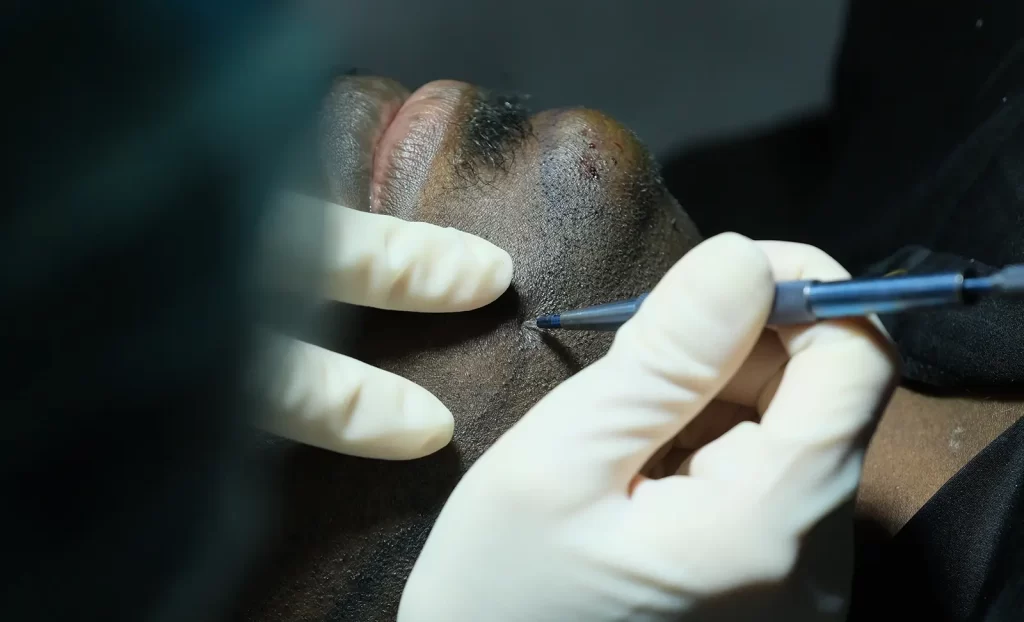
[(500, 269), (723, 261), (704, 317), (474, 273), (427, 423), (726, 277)]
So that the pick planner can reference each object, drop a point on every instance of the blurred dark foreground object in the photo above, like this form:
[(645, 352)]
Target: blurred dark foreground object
[(141, 141)]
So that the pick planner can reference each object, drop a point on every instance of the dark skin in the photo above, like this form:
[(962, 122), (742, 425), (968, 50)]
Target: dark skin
[(575, 199)]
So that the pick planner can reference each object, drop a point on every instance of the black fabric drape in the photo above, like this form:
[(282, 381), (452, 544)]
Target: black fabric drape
[(973, 348), (961, 557), (928, 168)]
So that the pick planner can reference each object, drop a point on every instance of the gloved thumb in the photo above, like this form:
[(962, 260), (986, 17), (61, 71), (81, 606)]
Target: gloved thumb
[(682, 347)]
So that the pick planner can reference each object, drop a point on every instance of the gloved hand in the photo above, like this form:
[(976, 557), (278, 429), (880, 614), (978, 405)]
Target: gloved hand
[(554, 522), (335, 402)]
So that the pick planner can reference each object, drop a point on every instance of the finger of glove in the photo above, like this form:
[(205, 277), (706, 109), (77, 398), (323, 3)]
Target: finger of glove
[(849, 365), (384, 262), (764, 363), (703, 534), (807, 452), (717, 418), (334, 402), (685, 343)]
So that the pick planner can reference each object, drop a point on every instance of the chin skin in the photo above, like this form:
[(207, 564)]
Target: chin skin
[(577, 202)]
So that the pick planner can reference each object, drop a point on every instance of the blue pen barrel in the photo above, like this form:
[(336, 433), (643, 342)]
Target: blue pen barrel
[(881, 296), (798, 302), (805, 302), (606, 317)]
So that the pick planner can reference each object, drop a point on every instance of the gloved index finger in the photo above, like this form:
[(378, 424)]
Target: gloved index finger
[(840, 373), (808, 449), (328, 400), (384, 262)]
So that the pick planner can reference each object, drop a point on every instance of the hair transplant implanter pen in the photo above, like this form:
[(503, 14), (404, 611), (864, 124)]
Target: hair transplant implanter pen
[(804, 302)]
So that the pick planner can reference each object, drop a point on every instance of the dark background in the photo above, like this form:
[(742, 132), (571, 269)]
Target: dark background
[(673, 71)]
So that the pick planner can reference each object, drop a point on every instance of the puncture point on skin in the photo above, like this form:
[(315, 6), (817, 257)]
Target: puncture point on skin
[(533, 335)]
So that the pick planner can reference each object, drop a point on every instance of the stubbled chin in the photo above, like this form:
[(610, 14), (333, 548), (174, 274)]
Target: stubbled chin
[(406, 149)]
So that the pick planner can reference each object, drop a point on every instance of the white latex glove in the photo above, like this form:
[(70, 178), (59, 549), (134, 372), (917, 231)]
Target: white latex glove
[(553, 523), (335, 402)]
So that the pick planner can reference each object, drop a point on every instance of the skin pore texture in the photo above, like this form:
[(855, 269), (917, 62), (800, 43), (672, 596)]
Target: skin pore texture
[(573, 197)]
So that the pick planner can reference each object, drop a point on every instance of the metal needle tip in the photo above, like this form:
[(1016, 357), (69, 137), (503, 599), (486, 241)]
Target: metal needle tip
[(548, 321)]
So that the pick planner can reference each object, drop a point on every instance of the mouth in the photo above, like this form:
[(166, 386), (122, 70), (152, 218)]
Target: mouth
[(409, 137)]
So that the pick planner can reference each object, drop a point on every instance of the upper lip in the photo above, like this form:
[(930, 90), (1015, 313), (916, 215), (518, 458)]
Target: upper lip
[(380, 156), (417, 127)]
